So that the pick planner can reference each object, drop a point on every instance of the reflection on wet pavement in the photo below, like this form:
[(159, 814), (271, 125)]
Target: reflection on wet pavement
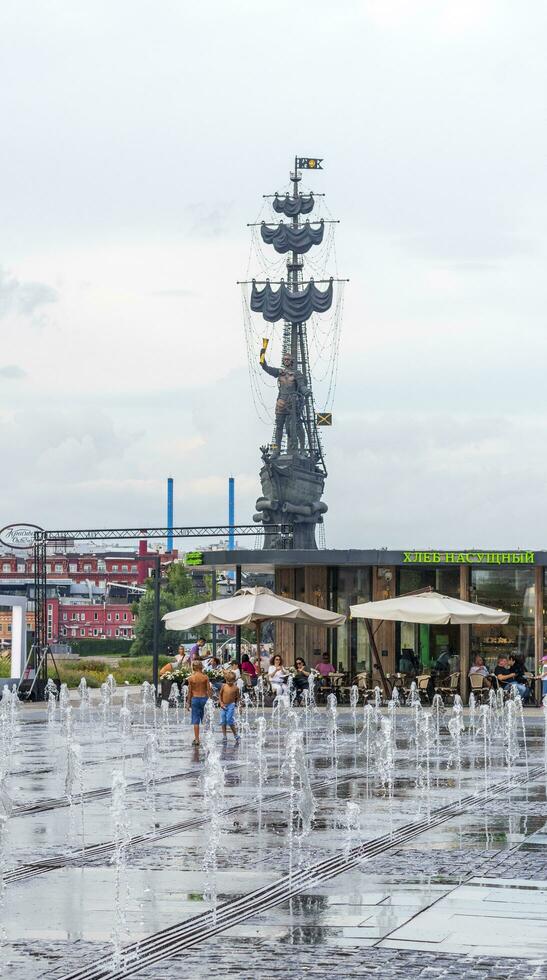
[(339, 847)]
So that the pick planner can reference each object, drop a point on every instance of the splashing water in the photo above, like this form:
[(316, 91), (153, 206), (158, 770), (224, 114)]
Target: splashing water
[(332, 705), (301, 799), (184, 698), (120, 836), (386, 763), (352, 826), (150, 758), (455, 728), (354, 701), (74, 787), (148, 704), (424, 764), (484, 730), (104, 707), (164, 724), (261, 764), (64, 704), (365, 739), (213, 795)]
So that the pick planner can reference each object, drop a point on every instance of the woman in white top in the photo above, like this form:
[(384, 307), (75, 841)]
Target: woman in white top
[(278, 676)]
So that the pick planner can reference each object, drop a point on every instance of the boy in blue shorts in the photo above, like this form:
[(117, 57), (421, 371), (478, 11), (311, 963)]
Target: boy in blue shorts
[(228, 698), (199, 691)]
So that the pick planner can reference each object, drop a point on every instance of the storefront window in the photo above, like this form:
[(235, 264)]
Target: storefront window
[(513, 590), (349, 646), (421, 648)]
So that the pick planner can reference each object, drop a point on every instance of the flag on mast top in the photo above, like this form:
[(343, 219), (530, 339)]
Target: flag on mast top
[(309, 163)]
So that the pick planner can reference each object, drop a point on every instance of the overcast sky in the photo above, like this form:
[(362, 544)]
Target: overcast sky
[(138, 139)]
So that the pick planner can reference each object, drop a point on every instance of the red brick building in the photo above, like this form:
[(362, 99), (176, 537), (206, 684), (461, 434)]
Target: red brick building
[(68, 620), (114, 566)]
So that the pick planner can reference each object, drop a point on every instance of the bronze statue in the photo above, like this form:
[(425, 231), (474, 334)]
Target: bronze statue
[(292, 392)]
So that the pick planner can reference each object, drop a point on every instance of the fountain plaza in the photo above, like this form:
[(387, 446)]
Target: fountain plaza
[(372, 839)]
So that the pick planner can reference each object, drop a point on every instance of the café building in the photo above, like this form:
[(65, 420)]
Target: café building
[(511, 580)]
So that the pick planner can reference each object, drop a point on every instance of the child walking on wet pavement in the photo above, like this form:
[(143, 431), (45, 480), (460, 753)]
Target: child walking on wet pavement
[(228, 698), (199, 691)]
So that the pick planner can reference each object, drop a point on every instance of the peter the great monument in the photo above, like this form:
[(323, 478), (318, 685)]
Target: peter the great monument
[(293, 473)]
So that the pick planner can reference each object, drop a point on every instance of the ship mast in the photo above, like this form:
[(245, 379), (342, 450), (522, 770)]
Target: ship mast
[(299, 341)]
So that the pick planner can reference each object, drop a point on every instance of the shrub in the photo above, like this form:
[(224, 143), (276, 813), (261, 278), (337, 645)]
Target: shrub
[(104, 648), (134, 671)]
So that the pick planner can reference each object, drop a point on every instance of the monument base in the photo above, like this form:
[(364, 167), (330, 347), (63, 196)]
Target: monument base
[(292, 486)]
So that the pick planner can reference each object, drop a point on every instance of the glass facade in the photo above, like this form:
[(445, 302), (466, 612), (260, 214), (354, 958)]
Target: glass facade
[(512, 589), (349, 646), (421, 648), (412, 649)]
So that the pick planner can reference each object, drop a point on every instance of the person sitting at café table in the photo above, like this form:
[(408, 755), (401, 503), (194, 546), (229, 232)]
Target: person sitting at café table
[(511, 674), (214, 664), (324, 667), (248, 668), (479, 667), (409, 663), (176, 662), (300, 679), (278, 676)]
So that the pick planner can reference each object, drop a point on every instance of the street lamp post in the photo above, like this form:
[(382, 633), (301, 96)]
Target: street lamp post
[(156, 635)]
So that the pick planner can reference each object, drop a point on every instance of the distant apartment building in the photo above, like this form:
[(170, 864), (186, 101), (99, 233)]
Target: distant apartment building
[(88, 595), (125, 567), (74, 620)]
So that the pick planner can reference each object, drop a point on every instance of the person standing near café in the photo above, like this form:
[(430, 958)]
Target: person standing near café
[(195, 650)]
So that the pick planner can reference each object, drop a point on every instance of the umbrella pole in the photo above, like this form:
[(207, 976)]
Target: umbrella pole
[(376, 660), (258, 662)]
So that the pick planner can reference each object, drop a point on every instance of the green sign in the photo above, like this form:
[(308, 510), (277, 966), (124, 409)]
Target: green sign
[(194, 558), (469, 557)]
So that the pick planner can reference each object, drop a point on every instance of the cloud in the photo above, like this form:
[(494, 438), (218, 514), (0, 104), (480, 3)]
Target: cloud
[(174, 292), (12, 372), (23, 298), (209, 220)]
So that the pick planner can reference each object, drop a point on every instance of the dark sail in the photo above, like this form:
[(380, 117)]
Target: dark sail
[(285, 238), (296, 307), (291, 206)]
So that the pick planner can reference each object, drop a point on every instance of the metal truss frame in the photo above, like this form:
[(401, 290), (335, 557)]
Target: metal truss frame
[(34, 680)]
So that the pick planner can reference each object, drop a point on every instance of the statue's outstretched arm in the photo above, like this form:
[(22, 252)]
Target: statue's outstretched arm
[(275, 372)]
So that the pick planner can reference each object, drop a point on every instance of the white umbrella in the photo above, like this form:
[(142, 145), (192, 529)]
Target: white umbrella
[(428, 607), (254, 605), (423, 607)]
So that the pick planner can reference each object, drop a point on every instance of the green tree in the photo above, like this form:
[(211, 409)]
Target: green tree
[(177, 592)]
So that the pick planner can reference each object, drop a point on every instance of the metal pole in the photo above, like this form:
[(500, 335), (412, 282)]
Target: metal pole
[(169, 514), (213, 596), (293, 279), (231, 513), (156, 637), (376, 662), (238, 628)]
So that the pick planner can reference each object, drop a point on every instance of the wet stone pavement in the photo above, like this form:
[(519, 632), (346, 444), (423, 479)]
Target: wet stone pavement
[(331, 842)]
